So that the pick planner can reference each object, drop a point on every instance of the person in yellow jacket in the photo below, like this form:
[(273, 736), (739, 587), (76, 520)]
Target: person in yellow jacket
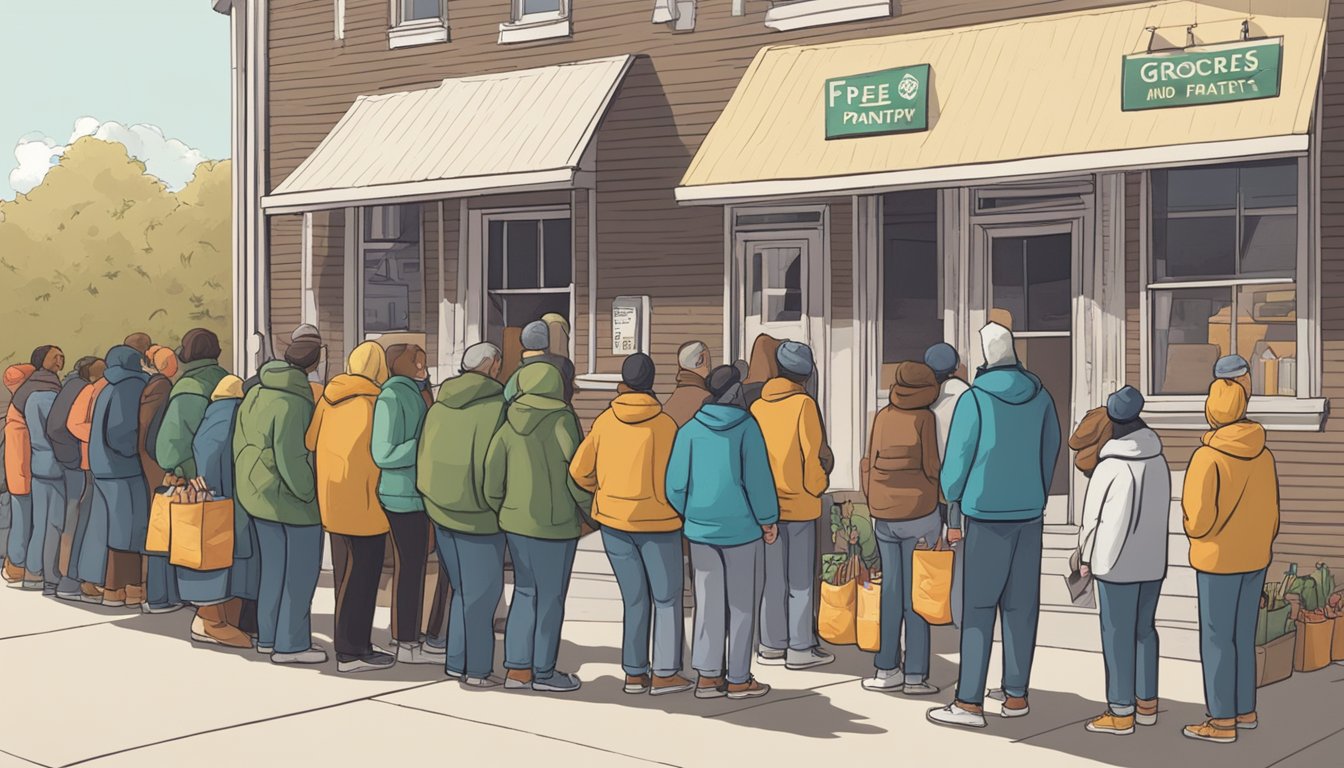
[(795, 441), (1231, 506), (623, 463), (341, 439)]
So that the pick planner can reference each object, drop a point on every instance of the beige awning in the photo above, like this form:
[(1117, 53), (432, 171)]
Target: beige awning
[(513, 131), (1028, 97)]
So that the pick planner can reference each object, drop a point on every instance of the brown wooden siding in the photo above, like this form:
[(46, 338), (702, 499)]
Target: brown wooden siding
[(328, 285), (286, 278)]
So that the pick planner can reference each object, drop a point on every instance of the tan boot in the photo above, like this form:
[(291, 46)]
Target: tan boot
[(13, 573), (114, 598), (135, 595), (90, 593), (210, 626)]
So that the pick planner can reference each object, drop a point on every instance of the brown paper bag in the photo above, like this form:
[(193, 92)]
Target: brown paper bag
[(1274, 660), (159, 538), (202, 535), (837, 618), (868, 626), (1312, 650), (931, 584)]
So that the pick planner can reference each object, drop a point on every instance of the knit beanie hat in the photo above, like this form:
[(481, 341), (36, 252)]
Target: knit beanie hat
[(1125, 405), (536, 336), (637, 372), (794, 358)]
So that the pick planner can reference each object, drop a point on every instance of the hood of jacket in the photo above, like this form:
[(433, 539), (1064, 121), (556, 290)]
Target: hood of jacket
[(347, 386), (636, 407), (370, 361), (283, 377), (1242, 440), (42, 380), (782, 389), (914, 387), (763, 366), (542, 389), (123, 364), (721, 418), (1012, 385), (1136, 446), (1226, 404), (470, 387), (15, 375)]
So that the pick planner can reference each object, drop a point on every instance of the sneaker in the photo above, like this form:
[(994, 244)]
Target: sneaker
[(265, 650), (48, 589), (556, 682), (885, 681), (518, 679), (770, 657), (1145, 713), (752, 689), (12, 572), (957, 714), (32, 582), (1015, 706), (1248, 722), (160, 609), (90, 593), (481, 683), (665, 686), (996, 694), (1109, 722), (369, 662), (114, 598), (920, 689), (453, 674), (310, 656), (1216, 731), (636, 684), (73, 596), (416, 654), (812, 657), (710, 688)]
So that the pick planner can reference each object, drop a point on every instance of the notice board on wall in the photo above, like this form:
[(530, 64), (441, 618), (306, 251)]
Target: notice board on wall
[(630, 325)]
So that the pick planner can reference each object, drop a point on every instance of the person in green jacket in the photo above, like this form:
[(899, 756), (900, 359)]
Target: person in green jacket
[(540, 509), (276, 484), (398, 417), (197, 378), (450, 475)]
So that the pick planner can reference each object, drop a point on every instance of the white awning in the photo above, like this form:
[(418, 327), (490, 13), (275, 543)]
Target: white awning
[(512, 131)]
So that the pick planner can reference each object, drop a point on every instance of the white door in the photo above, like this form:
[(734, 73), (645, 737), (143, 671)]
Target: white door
[(778, 288)]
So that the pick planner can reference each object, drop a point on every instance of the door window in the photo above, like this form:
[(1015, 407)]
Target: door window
[(775, 291)]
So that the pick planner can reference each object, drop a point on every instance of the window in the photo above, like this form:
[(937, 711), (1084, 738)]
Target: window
[(784, 15), (1223, 275), (532, 20), (393, 286), (529, 271), (775, 284), (910, 288), (418, 22)]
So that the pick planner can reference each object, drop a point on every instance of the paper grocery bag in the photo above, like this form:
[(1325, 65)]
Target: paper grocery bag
[(931, 585), (1274, 660), (836, 621), (159, 538), (868, 627), (1312, 650), (202, 535)]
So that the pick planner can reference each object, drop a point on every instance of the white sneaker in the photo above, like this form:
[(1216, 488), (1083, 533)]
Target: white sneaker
[(481, 683), (812, 657), (416, 654), (265, 650), (770, 657), (920, 689), (310, 656), (955, 715), (885, 681)]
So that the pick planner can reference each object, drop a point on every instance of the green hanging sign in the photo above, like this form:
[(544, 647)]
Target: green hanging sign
[(889, 101), (1209, 75)]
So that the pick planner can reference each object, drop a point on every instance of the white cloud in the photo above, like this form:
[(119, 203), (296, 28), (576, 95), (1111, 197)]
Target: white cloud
[(169, 160)]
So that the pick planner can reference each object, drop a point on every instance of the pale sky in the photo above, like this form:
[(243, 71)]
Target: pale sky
[(162, 63)]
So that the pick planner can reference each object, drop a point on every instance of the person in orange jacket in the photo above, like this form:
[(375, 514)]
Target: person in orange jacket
[(80, 424), (19, 477)]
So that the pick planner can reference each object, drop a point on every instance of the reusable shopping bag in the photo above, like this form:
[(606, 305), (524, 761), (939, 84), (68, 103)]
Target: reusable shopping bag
[(931, 584), (868, 626), (159, 538), (202, 535)]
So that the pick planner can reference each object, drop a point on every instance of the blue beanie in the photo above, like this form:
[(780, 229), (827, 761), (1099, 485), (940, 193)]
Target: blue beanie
[(1231, 367), (942, 358), (794, 358), (1125, 405), (536, 336)]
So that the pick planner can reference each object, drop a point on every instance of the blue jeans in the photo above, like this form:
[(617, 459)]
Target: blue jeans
[(541, 569), (1228, 607), (48, 522), (160, 582), (475, 567), (291, 559), (648, 569), (1003, 575), (1129, 642), (21, 530), (896, 541), (789, 601)]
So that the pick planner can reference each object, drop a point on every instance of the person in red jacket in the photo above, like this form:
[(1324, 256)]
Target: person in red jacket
[(19, 478)]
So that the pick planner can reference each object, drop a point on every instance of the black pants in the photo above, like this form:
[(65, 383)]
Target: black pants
[(357, 594), (410, 546)]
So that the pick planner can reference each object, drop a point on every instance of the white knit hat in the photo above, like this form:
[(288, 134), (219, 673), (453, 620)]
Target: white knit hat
[(997, 343)]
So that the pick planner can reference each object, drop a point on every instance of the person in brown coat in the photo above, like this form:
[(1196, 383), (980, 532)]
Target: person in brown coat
[(691, 391), (900, 480), (761, 368), (1086, 441), (161, 594)]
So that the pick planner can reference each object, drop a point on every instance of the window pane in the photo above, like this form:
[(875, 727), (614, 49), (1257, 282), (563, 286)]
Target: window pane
[(541, 6), (522, 254), (1201, 247), (1197, 189), (557, 251), (1269, 245), (783, 283), (496, 255), (413, 10), (910, 320), (393, 289), (1008, 287), (507, 314), (1269, 185), (1192, 328), (1267, 337), (1049, 283)]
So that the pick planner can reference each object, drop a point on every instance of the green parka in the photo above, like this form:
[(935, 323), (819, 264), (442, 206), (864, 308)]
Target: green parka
[(450, 467), (527, 467), (274, 478), (398, 418), (186, 409)]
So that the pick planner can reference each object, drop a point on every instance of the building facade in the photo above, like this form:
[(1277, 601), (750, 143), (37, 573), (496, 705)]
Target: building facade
[(1136, 189)]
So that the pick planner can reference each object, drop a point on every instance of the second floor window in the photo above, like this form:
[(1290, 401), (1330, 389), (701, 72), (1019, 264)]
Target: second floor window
[(540, 10), (421, 10)]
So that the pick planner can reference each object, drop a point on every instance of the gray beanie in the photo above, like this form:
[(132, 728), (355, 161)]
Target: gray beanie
[(1231, 367), (536, 336), (794, 358), (305, 331), (1125, 405), (942, 358)]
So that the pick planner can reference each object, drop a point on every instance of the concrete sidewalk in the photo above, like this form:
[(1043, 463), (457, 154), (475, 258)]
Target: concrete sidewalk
[(102, 687)]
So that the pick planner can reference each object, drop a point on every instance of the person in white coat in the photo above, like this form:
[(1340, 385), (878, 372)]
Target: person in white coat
[(1123, 544)]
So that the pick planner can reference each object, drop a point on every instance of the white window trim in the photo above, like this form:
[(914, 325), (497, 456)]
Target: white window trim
[(339, 14), (404, 34), (531, 27), (1307, 411), (801, 14)]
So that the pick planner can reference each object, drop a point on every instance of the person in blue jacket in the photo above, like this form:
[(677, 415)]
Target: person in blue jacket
[(719, 481), (1000, 459)]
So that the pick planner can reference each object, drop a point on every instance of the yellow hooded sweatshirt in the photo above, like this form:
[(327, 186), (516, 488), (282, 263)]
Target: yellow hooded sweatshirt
[(623, 463), (794, 438), (341, 438), (1231, 496)]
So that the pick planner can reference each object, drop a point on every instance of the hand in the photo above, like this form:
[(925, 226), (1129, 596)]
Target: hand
[(853, 535), (953, 535), (1084, 571), (771, 533)]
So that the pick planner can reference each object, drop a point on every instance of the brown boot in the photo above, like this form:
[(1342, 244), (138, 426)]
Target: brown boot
[(135, 595), (751, 689), (1216, 731), (90, 593), (13, 573), (518, 679), (662, 686), (114, 598), (210, 627)]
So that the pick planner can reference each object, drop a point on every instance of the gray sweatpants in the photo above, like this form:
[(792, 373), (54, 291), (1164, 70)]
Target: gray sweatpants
[(727, 596), (789, 602)]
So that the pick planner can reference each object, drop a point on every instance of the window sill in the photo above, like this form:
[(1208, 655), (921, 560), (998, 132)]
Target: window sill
[(801, 14), (531, 31), (417, 33), (598, 382), (1285, 414)]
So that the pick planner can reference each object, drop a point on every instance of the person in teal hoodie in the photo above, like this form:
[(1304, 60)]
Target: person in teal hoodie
[(541, 510), (719, 480), (1000, 459), (398, 417)]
